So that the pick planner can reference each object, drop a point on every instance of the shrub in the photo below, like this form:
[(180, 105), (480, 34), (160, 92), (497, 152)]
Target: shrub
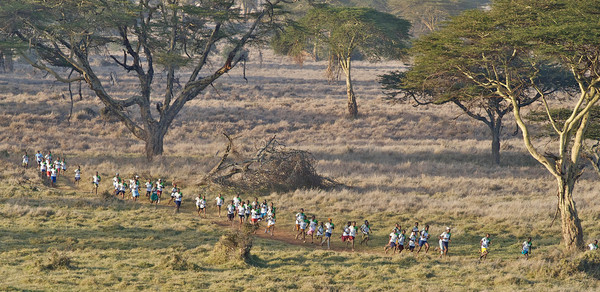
[(234, 247), (177, 262), (56, 261)]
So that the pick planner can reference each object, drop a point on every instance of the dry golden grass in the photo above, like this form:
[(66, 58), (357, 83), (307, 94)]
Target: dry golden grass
[(400, 164)]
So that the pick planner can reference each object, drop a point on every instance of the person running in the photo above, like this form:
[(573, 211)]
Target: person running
[(415, 228), (63, 165), (345, 232), (39, 158), (25, 160), (352, 234), (241, 212), (329, 226), (53, 177), (400, 242), (43, 169), (201, 205), (220, 199), (412, 240), (96, 182), (527, 247), (230, 212), (423, 239), (247, 208), (485, 244), (116, 180), (148, 189), (392, 242), (57, 166), (173, 191), (154, 196), (48, 157), (178, 199), (320, 231), (312, 227), (270, 224), (302, 231), (299, 218), (593, 245), (445, 238), (237, 200), (159, 189), (135, 192), (77, 174), (254, 216), (366, 231), (121, 187), (263, 209)]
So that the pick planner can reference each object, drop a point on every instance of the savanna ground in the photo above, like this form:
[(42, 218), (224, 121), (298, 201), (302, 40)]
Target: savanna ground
[(399, 163)]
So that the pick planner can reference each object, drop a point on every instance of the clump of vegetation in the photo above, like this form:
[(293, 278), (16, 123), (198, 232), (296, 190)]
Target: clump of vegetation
[(234, 247), (177, 262), (56, 261)]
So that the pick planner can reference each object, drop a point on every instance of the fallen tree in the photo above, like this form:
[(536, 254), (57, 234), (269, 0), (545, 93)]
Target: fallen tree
[(272, 167)]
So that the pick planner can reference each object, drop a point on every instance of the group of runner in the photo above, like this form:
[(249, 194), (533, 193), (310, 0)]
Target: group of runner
[(247, 211), (49, 169), (254, 212), (322, 231)]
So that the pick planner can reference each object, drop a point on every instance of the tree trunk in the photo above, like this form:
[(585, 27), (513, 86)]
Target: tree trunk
[(154, 143), (352, 106), (496, 129), (571, 225)]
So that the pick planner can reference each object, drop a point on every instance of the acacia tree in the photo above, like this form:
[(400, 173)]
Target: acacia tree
[(345, 32), (435, 79), (176, 35), (565, 32)]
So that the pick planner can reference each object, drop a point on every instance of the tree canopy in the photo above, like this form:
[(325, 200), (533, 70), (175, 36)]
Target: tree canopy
[(344, 32), (148, 35)]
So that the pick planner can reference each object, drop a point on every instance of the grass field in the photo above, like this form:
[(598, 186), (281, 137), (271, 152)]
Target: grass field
[(400, 164)]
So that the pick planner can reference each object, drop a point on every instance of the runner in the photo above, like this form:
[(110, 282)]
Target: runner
[(312, 227), (230, 212), (154, 196), (255, 216), (121, 189), (201, 205), (299, 218), (346, 233), (400, 242), (148, 189), (445, 238), (270, 224), (352, 233), (263, 209), (392, 242), (77, 174), (248, 208), (25, 160), (52, 177), (159, 189), (302, 231), (412, 240), (423, 239), (116, 180), (173, 192), (415, 228), (594, 245), (95, 182), (63, 165), (241, 210), (320, 232), (328, 231), (485, 243), (39, 158), (178, 199), (135, 192), (527, 247), (43, 169), (220, 201), (366, 230)]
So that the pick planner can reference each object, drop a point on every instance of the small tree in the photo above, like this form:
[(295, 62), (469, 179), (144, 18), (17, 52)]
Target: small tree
[(345, 32), (175, 35)]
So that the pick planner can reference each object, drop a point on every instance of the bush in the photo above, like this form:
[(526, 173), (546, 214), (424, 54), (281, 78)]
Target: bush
[(177, 262), (56, 261), (234, 247)]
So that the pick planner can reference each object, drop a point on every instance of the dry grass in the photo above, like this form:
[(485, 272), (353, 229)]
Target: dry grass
[(401, 164)]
